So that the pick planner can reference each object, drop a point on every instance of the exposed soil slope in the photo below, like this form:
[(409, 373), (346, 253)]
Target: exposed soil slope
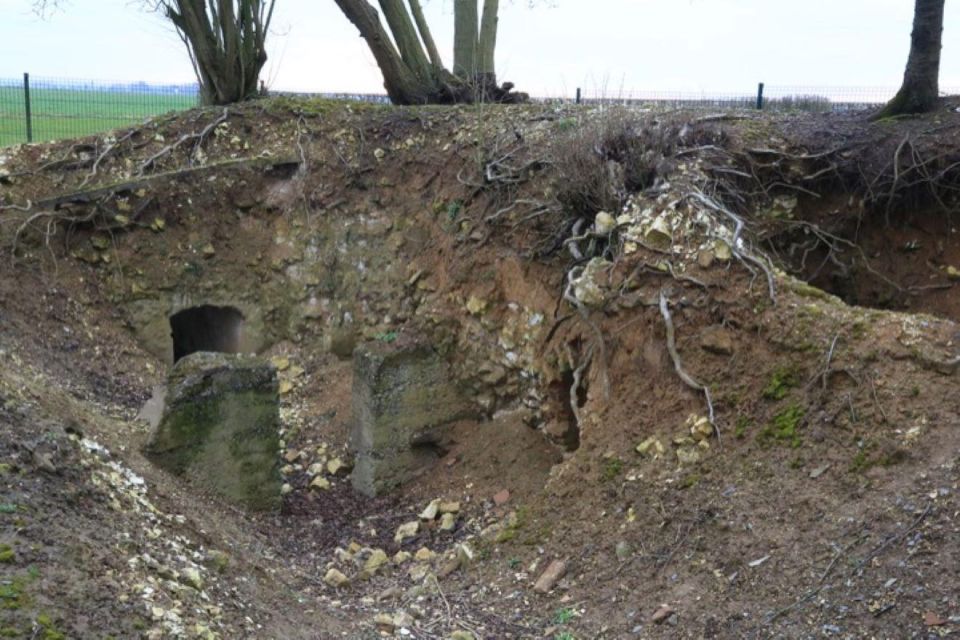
[(821, 501)]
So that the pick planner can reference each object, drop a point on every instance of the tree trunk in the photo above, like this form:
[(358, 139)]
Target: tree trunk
[(486, 78), (226, 43), (921, 87), (413, 73), (425, 34), (405, 35), (488, 38), (402, 85), (465, 35)]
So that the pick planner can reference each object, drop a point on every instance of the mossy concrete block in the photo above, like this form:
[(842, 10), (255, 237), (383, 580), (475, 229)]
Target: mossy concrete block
[(403, 394), (220, 427)]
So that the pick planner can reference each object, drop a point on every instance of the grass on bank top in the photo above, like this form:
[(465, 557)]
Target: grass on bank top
[(69, 113)]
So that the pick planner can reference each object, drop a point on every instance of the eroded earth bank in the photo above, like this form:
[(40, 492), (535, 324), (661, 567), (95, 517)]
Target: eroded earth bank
[(663, 375)]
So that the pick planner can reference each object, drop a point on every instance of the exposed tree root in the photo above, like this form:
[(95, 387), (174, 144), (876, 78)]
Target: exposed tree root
[(578, 370), (187, 137), (90, 206), (584, 315), (744, 256), (106, 152), (678, 364)]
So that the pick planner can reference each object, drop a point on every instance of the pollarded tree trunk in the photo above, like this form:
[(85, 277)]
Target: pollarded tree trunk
[(425, 34), (466, 32), (226, 41), (403, 85), (487, 44), (413, 72), (474, 46), (921, 80)]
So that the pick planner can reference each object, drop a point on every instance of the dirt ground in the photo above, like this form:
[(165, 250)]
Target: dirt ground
[(822, 502)]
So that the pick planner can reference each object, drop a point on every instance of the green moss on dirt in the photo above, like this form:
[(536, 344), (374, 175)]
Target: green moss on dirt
[(785, 427), (782, 380), (221, 427), (690, 481), (13, 592), (806, 290), (612, 468)]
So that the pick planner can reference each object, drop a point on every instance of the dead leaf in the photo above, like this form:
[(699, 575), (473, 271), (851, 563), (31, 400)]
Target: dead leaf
[(931, 619)]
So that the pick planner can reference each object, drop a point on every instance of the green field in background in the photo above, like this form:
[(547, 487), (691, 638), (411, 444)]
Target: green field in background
[(63, 113)]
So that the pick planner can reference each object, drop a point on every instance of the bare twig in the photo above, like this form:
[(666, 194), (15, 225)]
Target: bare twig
[(301, 124), (109, 149), (443, 597), (17, 207), (824, 373), (537, 208), (809, 595), (187, 137), (833, 241), (892, 540), (876, 399), (837, 556)]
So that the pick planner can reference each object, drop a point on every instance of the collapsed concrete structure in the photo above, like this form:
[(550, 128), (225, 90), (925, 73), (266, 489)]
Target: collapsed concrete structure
[(403, 396), (220, 427)]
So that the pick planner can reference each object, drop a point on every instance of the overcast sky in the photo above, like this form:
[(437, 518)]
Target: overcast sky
[(608, 47)]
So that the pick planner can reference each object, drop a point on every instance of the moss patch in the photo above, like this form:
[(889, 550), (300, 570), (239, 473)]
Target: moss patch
[(612, 467), (690, 481), (785, 427), (807, 290), (50, 631), (782, 380), (740, 430), (13, 593), (868, 456)]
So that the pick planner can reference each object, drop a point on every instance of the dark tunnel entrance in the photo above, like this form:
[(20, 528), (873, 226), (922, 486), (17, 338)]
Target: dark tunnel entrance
[(206, 328)]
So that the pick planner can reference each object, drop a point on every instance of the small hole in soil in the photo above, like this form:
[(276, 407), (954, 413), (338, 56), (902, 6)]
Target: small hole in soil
[(429, 449), (206, 328), (570, 438)]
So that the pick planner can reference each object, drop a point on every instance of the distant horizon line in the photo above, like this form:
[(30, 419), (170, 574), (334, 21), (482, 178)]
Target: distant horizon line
[(832, 93)]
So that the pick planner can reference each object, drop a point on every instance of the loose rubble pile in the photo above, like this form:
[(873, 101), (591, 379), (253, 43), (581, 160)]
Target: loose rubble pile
[(166, 573)]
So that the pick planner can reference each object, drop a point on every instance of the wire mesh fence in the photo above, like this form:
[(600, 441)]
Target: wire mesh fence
[(41, 109), (371, 98), (767, 97)]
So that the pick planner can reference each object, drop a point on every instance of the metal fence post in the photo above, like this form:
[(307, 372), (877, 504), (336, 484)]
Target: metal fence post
[(578, 95), (26, 104), (760, 96)]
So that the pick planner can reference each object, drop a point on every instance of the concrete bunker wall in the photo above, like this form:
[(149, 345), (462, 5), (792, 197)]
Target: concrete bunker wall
[(220, 427), (403, 395)]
